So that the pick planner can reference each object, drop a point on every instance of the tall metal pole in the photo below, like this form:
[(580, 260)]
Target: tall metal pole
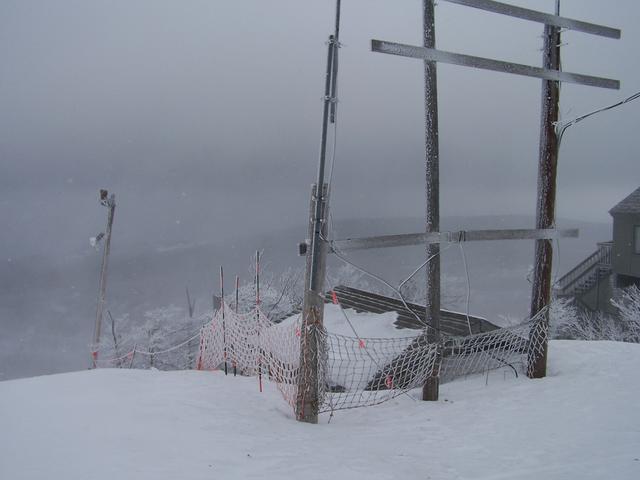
[(545, 208), (334, 74), (431, 387), (110, 203), (308, 396), (316, 239)]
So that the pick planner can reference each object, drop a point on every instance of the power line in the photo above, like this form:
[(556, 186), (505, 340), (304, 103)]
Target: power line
[(561, 127)]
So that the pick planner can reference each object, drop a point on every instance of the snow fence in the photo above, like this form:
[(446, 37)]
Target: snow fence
[(356, 371)]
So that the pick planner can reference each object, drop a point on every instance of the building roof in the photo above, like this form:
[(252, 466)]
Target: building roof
[(631, 204)]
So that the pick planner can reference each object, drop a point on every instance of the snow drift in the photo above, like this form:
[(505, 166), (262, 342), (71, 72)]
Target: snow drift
[(579, 422)]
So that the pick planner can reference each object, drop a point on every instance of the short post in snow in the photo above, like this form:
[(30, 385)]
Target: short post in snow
[(234, 360), (257, 283), (224, 328)]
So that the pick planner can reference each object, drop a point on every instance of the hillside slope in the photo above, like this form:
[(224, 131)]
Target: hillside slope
[(47, 308), (579, 422)]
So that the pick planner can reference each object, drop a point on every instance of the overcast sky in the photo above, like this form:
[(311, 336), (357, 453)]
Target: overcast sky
[(204, 116)]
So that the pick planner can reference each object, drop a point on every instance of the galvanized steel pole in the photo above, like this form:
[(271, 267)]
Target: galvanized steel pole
[(307, 399)]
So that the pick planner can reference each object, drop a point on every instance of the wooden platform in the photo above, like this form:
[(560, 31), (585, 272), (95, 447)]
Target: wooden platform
[(451, 323)]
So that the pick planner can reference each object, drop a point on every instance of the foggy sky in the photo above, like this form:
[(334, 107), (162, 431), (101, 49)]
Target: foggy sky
[(204, 116)]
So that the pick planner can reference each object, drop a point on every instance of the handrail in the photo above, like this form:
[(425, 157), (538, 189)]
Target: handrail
[(601, 257), (577, 272), (605, 250)]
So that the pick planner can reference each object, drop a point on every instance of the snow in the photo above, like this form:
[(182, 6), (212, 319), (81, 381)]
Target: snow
[(367, 325), (579, 422)]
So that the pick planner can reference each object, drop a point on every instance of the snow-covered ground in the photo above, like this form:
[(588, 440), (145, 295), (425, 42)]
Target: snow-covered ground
[(580, 422)]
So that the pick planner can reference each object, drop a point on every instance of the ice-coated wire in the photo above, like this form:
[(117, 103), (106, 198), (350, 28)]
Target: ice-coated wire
[(468, 299), (562, 127), (105, 361), (171, 349), (114, 359), (422, 265), (384, 282)]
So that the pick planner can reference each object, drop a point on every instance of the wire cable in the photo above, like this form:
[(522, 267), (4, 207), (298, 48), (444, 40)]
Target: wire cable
[(561, 127), (466, 271), (387, 284)]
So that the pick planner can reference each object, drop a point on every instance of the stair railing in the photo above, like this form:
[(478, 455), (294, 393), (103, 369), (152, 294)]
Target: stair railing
[(599, 258)]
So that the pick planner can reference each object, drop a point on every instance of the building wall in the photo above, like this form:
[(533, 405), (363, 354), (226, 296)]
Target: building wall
[(625, 261)]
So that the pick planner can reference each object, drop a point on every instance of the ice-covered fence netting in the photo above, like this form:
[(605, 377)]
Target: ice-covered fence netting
[(367, 371), (355, 371), (250, 344), (508, 347)]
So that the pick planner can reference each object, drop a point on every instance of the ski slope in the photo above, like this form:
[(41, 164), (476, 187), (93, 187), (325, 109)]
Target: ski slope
[(581, 421)]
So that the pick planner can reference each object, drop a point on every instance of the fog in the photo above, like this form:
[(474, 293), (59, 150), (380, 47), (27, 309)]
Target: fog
[(203, 117)]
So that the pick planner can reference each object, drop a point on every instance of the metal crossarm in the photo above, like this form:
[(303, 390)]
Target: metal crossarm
[(409, 239), (540, 17), (434, 55)]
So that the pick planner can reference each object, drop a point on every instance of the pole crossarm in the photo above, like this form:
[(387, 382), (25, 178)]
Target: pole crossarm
[(410, 239), (540, 17), (431, 54)]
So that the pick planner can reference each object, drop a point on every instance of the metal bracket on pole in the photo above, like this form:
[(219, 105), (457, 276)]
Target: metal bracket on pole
[(410, 239)]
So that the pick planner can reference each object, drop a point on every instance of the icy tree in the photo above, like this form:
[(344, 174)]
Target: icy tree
[(628, 306), (563, 318), (279, 295), (166, 338), (596, 326), (569, 322), (347, 275)]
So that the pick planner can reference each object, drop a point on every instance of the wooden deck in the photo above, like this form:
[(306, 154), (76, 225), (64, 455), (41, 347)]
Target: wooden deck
[(451, 323)]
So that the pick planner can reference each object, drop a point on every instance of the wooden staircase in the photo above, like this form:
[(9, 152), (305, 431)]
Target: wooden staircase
[(587, 274)]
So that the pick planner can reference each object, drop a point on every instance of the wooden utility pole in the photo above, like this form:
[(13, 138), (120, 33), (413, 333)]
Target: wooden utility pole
[(431, 387), (110, 203), (545, 208), (545, 221), (308, 396)]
